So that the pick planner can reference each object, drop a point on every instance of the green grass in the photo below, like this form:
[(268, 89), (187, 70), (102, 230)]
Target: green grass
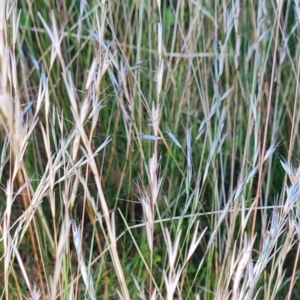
[(146, 149)]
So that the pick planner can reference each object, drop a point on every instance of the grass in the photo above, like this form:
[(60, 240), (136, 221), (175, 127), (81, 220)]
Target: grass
[(149, 149)]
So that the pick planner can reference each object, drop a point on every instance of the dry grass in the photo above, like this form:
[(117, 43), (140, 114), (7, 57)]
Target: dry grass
[(137, 149)]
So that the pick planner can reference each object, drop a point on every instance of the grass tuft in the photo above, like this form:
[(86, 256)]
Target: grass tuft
[(137, 149)]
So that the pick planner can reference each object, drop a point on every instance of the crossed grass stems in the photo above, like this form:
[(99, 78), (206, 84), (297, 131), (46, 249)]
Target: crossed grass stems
[(190, 251)]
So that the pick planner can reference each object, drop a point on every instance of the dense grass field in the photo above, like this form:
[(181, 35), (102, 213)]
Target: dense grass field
[(149, 149)]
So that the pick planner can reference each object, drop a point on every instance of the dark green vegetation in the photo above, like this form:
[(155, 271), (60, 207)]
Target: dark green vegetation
[(190, 102)]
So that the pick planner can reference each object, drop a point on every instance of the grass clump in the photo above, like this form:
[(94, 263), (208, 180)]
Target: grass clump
[(138, 146)]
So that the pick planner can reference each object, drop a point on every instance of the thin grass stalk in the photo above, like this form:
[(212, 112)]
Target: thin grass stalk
[(264, 142)]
